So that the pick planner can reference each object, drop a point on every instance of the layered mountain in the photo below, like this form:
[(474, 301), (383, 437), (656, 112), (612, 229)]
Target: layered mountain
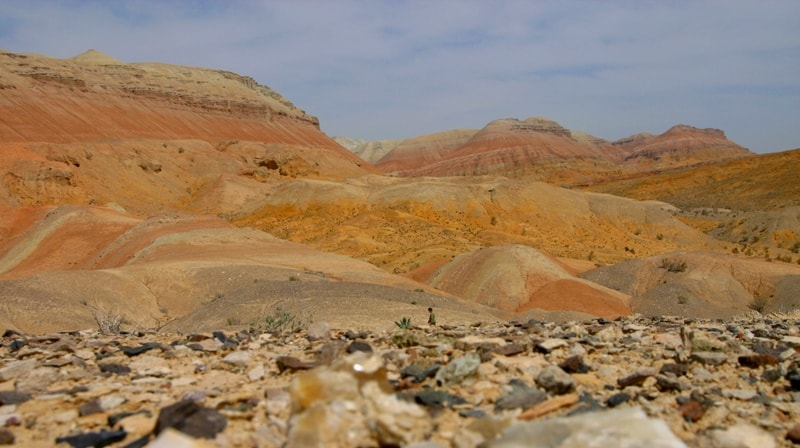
[(192, 199), (150, 137), (542, 149)]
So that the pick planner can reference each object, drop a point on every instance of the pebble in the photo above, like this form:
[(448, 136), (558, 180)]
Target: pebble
[(237, 358), (521, 396), (6, 437), (190, 418), (555, 380), (318, 330), (458, 369), (710, 358), (624, 427), (453, 386)]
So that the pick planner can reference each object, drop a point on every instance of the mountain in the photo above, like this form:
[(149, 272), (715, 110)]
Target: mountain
[(370, 151), (150, 137), (193, 199), (541, 149)]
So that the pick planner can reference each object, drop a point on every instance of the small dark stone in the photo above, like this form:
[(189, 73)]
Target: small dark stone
[(221, 337), (6, 437), (794, 434), (666, 384), (771, 375), (141, 442), (420, 370), (194, 346), (617, 399), (574, 364), (93, 439), (359, 346), (117, 369), (473, 413), (192, 419), (433, 397), (115, 418), (16, 345), (521, 396), (135, 351), (510, 349), (292, 363), (675, 369), (90, 407), (635, 379), (13, 397), (197, 337), (756, 361), (8, 333), (586, 403), (794, 380)]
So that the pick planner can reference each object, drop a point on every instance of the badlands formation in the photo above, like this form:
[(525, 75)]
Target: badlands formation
[(183, 248)]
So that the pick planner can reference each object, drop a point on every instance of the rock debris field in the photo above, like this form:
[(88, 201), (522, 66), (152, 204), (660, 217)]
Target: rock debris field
[(644, 382)]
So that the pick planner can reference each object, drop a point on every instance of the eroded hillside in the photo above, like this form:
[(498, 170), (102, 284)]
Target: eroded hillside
[(190, 198)]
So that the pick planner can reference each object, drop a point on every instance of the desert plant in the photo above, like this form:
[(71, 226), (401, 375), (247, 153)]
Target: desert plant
[(281, 320), (404, 323), (683, 300), (673, 265), (108, 322)]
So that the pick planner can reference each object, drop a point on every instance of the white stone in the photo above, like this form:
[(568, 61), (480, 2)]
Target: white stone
[(15, 369), (743, 436), (144, 365), (237, 358), (624, 427), (257, 373)]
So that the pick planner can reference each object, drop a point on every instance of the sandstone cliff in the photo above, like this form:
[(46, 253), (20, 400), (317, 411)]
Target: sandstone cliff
[(93, 97)]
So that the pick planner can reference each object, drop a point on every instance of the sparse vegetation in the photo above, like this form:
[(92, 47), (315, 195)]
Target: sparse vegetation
[(673, 265), (294, 278), (108, 322), (404, 323), (281, 321), (683, 300)]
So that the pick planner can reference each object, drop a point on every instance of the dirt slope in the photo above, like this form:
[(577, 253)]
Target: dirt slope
[(404, 224), (702, 284), (519, 278), (71, 263)]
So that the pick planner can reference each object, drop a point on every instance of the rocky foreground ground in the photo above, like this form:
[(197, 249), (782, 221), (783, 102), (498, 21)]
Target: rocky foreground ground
[(650, 382)]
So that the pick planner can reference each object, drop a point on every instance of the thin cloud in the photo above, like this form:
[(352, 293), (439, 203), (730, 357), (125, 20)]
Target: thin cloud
[(395, 69)]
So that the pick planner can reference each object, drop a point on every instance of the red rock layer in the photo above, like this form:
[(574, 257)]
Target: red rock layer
[(94, 97)]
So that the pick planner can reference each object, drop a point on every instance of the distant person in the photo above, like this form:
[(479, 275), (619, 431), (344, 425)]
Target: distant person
[(431, 317)]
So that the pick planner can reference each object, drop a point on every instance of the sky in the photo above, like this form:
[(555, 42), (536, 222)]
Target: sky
[(397, 69)]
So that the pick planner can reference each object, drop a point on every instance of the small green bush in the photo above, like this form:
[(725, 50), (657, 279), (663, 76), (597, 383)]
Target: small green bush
[(404, 323)]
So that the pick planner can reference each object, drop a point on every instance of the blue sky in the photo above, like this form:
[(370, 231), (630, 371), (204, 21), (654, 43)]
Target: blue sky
[(395, 69)]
